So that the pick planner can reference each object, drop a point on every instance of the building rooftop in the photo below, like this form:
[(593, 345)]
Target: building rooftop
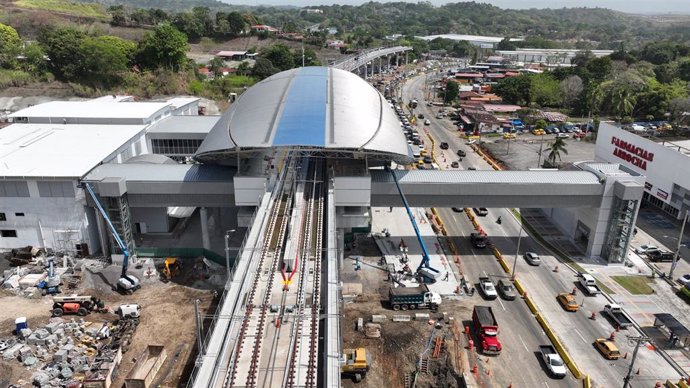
[(184, 124), (59, 150), (94, 109), (178, 102), (151, 172)]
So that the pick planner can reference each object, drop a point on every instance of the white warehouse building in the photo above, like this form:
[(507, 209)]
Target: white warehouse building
[(50, 147)]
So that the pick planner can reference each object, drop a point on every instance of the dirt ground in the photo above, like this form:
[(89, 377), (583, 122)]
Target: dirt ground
[(167, 318), (396, 353)]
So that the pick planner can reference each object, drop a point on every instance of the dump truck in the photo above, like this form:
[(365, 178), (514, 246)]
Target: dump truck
[(478, 240), (618, 315), (486, 326), (403, 298), (355, 363), (589, 284), (553, 361)]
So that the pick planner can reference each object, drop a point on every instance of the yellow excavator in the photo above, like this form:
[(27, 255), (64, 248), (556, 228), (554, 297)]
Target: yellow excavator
[(172, 268), (355, 363)]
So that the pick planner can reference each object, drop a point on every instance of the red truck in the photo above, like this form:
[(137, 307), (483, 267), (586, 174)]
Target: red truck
[(486, 326)]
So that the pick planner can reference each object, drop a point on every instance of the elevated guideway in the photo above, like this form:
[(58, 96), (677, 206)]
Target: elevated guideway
[(365, 57)]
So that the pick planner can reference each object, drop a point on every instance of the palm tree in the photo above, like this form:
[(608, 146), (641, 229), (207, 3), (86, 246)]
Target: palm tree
[(555, 149)]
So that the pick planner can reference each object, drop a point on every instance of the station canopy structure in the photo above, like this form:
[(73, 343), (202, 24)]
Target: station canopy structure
[(315, 110)]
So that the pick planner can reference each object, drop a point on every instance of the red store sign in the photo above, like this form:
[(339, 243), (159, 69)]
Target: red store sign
[(631, 153)]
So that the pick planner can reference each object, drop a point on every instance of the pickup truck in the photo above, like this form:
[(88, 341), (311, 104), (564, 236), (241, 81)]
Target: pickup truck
[(554, 362), (618, 315), (488, 288), (589, 284)]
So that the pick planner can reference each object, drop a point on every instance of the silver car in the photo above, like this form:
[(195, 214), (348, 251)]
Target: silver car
[(532, 258)]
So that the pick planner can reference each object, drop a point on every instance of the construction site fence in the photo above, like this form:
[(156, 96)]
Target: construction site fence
[(182, 253)]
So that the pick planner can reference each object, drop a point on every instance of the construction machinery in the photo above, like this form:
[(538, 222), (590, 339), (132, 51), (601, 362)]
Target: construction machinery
[(80, 305), (172, 268), (126, 284), (424, 269), (355, 363), (51, 285)]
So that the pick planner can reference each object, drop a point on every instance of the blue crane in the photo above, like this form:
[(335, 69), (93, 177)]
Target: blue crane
[(126, 283), (425, 254)]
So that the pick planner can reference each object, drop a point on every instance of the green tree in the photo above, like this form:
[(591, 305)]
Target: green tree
[(556, 148), (545, 90), (451, 92), (163, 47), (216, 66), (263, 68), (541, 124), (514, 90), (571, 88), (10, 46), (106, 58), (34, 59), (506, 44), (63, 46), (599, 68), (684, 69), (280, 56), (190, 25), (118, 15)]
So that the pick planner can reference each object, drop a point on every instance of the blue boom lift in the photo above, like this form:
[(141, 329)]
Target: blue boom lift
[(424, 269), (51, 285), (126, 284)]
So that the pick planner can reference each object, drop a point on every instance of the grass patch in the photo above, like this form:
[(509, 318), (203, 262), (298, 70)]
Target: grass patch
[(74, 8), (636, 285), (604, 288), (9, 78)]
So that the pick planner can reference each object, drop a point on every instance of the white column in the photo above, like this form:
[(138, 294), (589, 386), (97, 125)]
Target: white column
[(205, 239)]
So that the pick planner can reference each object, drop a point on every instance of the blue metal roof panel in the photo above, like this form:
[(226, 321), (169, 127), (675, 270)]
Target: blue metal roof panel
[(303, 119)]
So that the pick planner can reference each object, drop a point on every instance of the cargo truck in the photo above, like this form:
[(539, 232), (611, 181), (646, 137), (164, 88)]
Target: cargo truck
[(618, 315), (404, 298), (486, 327)]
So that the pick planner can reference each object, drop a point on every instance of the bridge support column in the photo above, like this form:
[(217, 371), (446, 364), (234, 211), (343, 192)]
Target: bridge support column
[(205, 239)]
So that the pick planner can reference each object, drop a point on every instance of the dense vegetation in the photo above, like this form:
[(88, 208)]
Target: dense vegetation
[(581, 27)]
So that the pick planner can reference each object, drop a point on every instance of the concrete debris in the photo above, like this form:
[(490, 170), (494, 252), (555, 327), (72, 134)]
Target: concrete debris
[(372, 330), (379, 318), (12, 352), (66, 373), (30, 361), (24, 333), (60, 356), (41, 333), (401, 318), (421, 316), (25, 351), (11, 282), (40, 378), (53, 326)]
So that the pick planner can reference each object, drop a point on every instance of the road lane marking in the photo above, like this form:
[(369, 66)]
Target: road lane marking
[(523, 343), (547, 385), (580, 335), (499, 301)]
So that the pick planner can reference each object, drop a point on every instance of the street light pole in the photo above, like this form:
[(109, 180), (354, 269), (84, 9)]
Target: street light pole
[(517, 252), (680, 243), (637, 340), (541, 146), (227, 251)]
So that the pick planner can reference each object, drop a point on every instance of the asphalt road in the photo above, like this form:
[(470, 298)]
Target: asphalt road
[(576, 330)]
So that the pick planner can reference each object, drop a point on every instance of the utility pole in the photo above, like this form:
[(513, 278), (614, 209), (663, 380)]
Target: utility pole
[(680, 243), (637, 341), (541, 146)]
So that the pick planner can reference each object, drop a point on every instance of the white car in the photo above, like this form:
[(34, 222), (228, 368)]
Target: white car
[(471, 141), (532, 258), (642, 249), (427, 122), (684, 280), (563, 135), (638, 127)]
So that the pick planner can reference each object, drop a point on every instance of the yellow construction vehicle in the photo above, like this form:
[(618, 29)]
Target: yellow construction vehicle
[(172, 268), (355, 363)]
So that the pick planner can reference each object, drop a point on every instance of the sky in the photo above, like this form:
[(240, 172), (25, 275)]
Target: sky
[(630, 6)]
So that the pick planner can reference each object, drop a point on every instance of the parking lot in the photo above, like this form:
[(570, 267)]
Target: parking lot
[(523, 152)]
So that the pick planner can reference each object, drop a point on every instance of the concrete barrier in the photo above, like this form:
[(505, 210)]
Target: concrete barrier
[(670, 384), (518, 286), (501, 261), (530, 304), (401, 318), (683, 384), (586, 382)]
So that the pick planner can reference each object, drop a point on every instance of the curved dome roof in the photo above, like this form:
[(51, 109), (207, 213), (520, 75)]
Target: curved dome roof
[(317, 109)]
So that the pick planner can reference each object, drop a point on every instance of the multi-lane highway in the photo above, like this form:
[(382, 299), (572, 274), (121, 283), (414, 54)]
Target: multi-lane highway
[(577, 331)]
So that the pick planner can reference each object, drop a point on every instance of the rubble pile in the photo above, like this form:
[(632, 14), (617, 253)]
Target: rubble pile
[(28, 277), (64, 352)]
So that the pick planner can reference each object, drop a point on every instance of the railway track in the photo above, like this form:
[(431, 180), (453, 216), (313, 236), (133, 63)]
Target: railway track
[(278, 335)]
